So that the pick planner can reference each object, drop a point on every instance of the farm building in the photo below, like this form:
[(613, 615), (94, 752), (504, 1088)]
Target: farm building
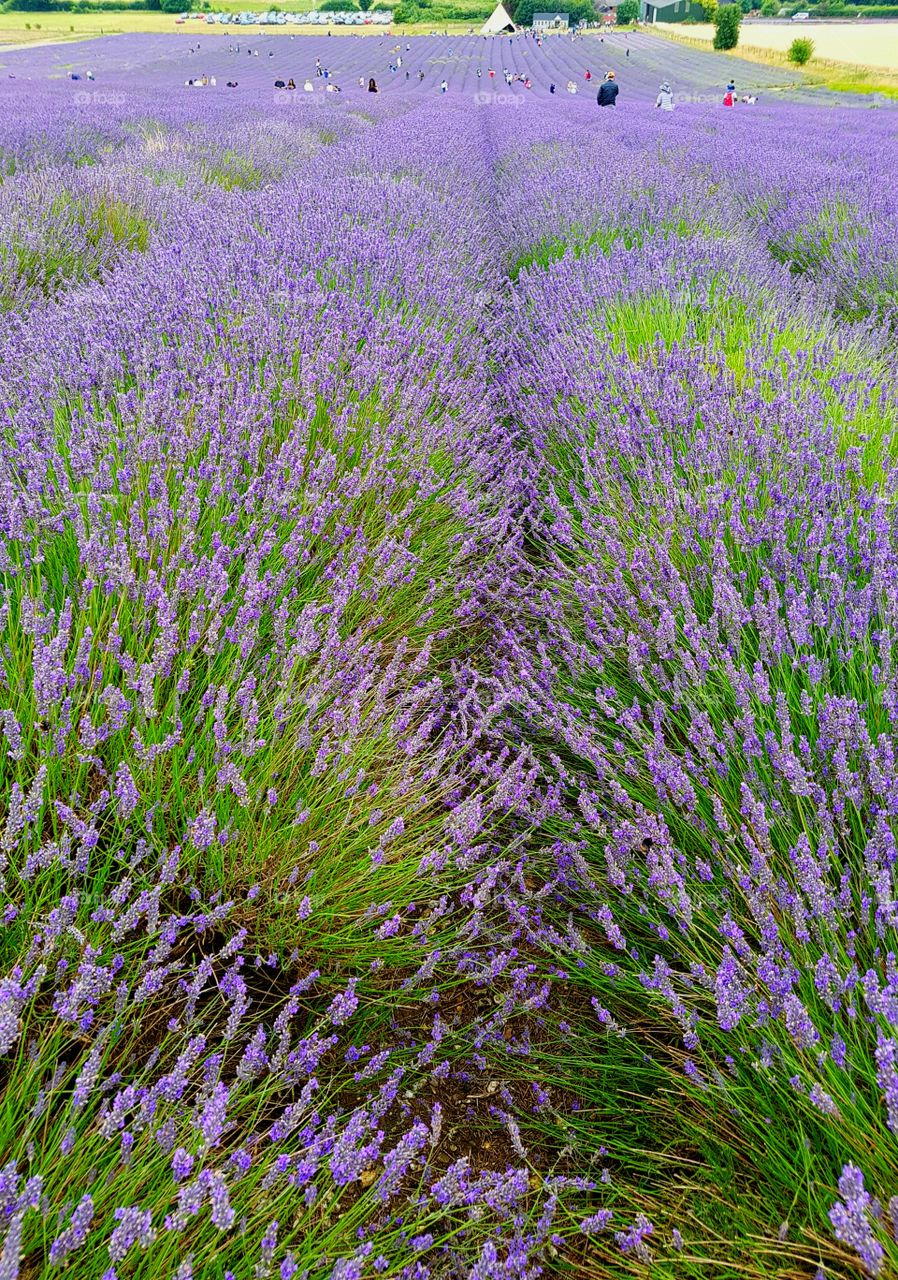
[(551, 22), (671, 11)]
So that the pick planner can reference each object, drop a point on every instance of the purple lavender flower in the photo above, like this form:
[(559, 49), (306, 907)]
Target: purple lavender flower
[(633, 1239), (74, 1235), (850, 1218), (598, 1222), (134, 1227), (344, 1005)]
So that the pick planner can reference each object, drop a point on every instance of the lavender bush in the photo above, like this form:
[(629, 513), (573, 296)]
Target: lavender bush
[(448, 693)]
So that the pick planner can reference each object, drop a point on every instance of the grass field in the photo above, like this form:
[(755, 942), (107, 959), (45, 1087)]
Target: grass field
[(858, 77), (860, 44), (26, 29)]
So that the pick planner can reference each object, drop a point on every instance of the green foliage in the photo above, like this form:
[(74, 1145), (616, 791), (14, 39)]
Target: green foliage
[(727, 21), (836, 9), (627, 11), (801, 51), (337, 6), (33, 6), (769, 8), (427, 11), (365, 5), (577, 9), (90, 6)]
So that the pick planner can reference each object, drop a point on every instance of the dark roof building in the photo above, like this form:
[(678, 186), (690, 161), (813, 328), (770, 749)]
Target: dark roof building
[(670, 11)]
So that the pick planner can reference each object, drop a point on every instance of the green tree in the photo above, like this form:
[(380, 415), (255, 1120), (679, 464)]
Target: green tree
[(627, 11), (577, 9), (365, 5), (801, 51), (727, 21), (770, 8), (32, 6)]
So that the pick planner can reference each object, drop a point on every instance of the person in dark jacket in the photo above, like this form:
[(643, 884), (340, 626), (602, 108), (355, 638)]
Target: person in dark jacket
[(608, 91)]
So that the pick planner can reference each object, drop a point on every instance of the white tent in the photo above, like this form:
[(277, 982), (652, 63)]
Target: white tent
[(499, 20)]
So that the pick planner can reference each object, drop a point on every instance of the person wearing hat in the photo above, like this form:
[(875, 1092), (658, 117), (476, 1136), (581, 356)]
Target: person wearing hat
[(608, 90), (665, 98)]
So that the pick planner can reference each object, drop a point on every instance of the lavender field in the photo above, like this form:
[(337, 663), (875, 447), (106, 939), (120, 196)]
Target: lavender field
[(448, 681)]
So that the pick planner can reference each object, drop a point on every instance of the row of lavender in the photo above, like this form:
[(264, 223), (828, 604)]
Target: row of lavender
[(712, 495), (448, 696)]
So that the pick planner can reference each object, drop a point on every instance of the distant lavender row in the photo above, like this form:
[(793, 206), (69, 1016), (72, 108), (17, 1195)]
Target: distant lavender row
[(136, 65), (448, 696)]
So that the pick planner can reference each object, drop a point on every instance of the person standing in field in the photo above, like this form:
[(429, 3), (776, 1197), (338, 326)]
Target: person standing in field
[(372, 86), (728, 98), (608, 91), (665, 98)]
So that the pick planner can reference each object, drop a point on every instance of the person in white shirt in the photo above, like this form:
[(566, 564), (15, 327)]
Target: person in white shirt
[(665, 98)]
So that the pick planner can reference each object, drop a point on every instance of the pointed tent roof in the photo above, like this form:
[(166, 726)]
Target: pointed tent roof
[(499, 20)]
